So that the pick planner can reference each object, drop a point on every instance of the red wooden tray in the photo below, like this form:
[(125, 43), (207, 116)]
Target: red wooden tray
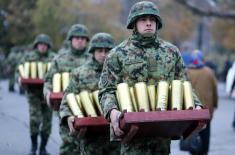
[(32, 81), (92, 126), (55, 100), (172, 124)]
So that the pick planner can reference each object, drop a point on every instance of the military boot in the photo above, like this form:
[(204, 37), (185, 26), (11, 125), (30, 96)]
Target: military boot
[(44, 139), (34, 145), (11, 88)]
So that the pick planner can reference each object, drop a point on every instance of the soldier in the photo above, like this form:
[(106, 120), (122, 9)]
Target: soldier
[(143, 57), (87, 77), (11, 62), (68, 58), (40, 114), (205, 84)]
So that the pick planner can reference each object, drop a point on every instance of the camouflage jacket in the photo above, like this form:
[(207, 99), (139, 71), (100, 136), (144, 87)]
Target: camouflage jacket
[(36, 56), (86, 77), (65, 61), (139, 60), (13, 59)]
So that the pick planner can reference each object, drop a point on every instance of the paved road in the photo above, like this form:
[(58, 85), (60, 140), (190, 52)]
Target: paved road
[(14, 127)]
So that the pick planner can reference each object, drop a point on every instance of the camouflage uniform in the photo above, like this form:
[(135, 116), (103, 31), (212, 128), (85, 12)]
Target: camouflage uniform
[(40, 114), (67, 59), (87, 77), (12, 60), (140, 59)]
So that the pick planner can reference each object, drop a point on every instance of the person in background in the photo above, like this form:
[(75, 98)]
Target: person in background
[(230, 87), (205, 85), (185, 52)]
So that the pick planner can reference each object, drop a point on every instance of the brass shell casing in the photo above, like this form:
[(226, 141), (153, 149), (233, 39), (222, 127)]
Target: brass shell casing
[(124, 97), (152, 96), (133, 99), (21, 71), (87, 104), (96, 100), (26, 70), (141, 93), (188, 95), (118, 101), (65, 80), (176, 95), (33, 70), (79, 102), (162, 95), (48, 66), (73, 105), (56, 83), (41, 70)]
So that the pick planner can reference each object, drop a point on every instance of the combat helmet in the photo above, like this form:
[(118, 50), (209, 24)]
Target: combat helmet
[(101, 40), (78, 30), (143, 8), (42, 38)]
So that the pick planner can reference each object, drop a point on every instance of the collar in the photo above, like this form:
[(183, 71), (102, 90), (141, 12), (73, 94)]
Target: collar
[(144, 42), (76, 52)]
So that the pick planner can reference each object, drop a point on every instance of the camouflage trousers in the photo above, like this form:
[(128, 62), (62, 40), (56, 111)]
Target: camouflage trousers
[(99, 146), (70, 144), (11, 83), (146, 146), (40, 115)]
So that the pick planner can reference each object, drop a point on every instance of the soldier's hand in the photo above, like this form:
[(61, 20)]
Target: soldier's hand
[(198, 107), (70, 121), (48, 98), (115, 116)]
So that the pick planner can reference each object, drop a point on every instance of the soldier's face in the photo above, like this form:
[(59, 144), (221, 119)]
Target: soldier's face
[(146, 25), (100, 54), (79, 42), (42, 48)]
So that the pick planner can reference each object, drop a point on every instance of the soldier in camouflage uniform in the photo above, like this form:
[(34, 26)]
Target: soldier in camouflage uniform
[(12, 60), (87, 77), (40, 114), (68, 58), (143, 57)]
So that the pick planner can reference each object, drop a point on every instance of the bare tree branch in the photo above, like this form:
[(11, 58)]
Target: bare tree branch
[(206, 8)]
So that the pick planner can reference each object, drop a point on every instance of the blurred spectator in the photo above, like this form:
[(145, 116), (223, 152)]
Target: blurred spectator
[(185, 52), (230, 86), (205, 84), (227, 64), (2, 58)]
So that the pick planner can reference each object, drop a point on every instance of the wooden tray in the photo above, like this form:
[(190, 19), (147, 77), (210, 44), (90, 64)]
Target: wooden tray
[(92, 126), (55, 100), (173, 124), (32, 81)]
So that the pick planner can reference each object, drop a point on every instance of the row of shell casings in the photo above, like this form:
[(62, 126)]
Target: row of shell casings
[(176, 95), (33, 69), (60, 81), (84, 104)]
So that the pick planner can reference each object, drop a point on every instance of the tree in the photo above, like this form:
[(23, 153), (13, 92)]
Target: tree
[(224, 18), (98, 16), (17, 22), (211, 8)]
